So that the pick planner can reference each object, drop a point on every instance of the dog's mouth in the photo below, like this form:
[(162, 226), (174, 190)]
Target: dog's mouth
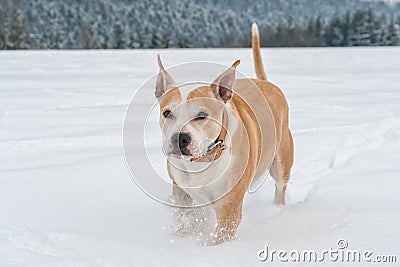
[(180, 153), (189, 153)]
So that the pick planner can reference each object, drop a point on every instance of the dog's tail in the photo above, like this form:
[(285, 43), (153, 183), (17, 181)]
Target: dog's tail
[(255, 43)]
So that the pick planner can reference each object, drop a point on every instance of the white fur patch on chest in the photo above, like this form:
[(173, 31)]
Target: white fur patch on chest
[(208, 181), (208, 185)]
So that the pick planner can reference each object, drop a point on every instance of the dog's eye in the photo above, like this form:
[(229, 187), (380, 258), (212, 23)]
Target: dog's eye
[(201, 116), (167, 113)]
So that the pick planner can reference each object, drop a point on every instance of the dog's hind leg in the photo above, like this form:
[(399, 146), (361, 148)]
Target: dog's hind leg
[(281, 167)]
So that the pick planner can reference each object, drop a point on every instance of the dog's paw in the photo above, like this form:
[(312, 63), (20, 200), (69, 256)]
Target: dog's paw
[(183, 222), (192, 222), (215, 240)]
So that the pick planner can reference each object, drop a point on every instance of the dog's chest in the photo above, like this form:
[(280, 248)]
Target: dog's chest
[(205, 181)]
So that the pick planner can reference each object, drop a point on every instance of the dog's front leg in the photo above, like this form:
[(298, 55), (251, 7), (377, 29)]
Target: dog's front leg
[(180, 197), (228, 211), (182, 215)]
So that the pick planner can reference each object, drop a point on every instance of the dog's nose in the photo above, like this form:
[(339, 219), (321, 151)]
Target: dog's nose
[(181, 139)]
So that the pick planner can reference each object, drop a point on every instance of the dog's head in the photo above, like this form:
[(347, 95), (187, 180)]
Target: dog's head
[(191, 116)]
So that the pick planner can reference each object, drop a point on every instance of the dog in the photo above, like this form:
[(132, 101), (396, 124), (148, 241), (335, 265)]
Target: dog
[(221, 138)]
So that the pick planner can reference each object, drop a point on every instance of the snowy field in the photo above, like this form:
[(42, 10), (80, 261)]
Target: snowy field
[(67, 199)]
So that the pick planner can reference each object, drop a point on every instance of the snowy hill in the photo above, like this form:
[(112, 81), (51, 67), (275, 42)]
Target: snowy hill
[(67, 199)]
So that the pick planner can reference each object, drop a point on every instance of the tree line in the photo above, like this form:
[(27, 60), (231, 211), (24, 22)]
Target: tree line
[(362, 28), (103, 24)]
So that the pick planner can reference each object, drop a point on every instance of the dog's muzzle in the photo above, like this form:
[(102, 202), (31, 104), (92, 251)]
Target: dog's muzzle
[(180, 142)]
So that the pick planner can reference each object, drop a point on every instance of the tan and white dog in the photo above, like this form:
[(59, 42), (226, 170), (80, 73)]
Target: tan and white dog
[(221, 138)]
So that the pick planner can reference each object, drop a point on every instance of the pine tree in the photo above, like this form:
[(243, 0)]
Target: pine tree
[(120, 36), (334, 33), (393, 33), (346, 24)]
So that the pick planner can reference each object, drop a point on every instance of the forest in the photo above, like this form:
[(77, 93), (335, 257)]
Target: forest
[(123, 24)]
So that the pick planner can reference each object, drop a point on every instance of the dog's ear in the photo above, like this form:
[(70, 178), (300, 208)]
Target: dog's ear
[(223, 85), (164, 80)]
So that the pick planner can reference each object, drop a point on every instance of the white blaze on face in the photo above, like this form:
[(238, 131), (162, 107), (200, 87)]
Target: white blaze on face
[(183, 121)]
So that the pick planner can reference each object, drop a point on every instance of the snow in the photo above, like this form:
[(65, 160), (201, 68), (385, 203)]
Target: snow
[(67, 199)]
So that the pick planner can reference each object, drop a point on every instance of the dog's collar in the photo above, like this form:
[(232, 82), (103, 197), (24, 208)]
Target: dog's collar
[(214, 151)]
